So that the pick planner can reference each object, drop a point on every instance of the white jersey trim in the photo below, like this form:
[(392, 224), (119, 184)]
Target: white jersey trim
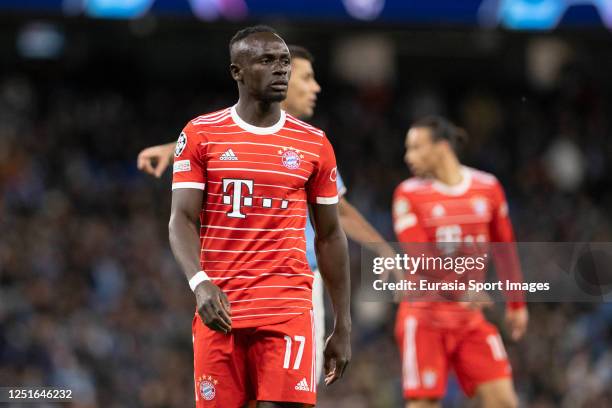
[(263, 274), (313, 361), (258, 171), (457, 219), (256, 129), (264, 314), (327, 200), (268, 286), (298, 140), (224, 126), (261, 215), (268, 185), (269, 307), (270, 298), (211, 116), (254, 252), (275, 134), (296, 200), (404, 222), (237, 270), (305, 125), (255, 260), (457, 189), (252, 239), (410, 364), (211, 121), (197, 186), (252, 143), (254, 229), (264, 163), (287, 210)]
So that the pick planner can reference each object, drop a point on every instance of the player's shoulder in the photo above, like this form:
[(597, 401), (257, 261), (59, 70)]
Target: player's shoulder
[(482, 178), (414, 185), (294, 123), (215, 118)]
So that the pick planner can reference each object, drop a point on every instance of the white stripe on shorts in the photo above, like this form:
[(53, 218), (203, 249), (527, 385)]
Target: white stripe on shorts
[(410, 365)]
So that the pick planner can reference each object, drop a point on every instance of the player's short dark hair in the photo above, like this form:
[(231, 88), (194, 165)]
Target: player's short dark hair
[(297, 51), (247, 31), (443, 129)]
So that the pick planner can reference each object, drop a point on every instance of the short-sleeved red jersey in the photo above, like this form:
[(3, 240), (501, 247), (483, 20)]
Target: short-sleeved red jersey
[(257, 184), (475, 210)]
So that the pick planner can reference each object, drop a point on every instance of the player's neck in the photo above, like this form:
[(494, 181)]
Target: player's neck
[(258, 113), (449, 172)]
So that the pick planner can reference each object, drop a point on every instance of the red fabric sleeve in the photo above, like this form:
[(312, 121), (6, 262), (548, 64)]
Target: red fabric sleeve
[(322, 187), (405, 222), (189, 169), (505, 256)]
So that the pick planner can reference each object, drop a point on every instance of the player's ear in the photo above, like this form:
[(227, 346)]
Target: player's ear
[(446, 144), (236, 72)]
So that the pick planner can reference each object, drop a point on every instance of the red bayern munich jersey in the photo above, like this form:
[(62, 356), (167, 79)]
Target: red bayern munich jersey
[(475, 210), (257, 184)]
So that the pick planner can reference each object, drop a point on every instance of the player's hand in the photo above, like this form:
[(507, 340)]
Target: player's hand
[(156, 159), (516, 322), (477, 300), (213, 307), (337, 355), (386, 251)]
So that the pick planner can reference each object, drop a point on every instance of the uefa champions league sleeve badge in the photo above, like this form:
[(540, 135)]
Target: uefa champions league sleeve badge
[(180, 144)]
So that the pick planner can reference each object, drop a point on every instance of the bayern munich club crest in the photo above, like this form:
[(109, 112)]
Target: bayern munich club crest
[(291, 158), (206, 387)]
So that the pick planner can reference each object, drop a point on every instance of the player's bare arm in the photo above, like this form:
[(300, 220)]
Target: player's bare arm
[(154, 160), (332, 257), (212, 304), (508, 266), (516, 322), (360, 230)]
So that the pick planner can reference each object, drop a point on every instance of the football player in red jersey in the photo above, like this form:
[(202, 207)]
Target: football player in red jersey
[(446, 202), (300, 102), (247, 175)]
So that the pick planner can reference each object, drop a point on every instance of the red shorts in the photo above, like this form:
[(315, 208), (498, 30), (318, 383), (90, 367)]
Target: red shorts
[(476, 353), (268, 363)]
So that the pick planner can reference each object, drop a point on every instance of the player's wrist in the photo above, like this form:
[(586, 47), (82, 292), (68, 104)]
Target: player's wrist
[(169, 150), (387, 251), (197, 279), (343, 326)]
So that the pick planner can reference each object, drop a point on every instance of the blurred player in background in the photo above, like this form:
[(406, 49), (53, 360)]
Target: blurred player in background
[(300, 102), (247, 175), (447, 202)]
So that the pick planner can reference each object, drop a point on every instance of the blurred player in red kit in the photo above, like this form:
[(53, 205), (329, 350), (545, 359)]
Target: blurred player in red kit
[(447, 202), (247, 175)]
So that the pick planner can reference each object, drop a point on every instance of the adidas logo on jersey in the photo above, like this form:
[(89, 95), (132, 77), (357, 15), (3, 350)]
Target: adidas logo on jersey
[(228, 155), (302, 385)]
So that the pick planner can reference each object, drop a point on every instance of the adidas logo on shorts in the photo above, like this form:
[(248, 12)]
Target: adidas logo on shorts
[(228, 155), (302, 385)]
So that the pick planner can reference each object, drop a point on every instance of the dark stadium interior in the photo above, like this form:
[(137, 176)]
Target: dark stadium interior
[(91, 297)]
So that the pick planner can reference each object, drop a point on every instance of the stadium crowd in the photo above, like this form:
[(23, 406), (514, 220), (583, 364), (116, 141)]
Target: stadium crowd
[(91, 299)]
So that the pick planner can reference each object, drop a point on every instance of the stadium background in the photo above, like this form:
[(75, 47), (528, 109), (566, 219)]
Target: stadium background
[(90, 296)]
